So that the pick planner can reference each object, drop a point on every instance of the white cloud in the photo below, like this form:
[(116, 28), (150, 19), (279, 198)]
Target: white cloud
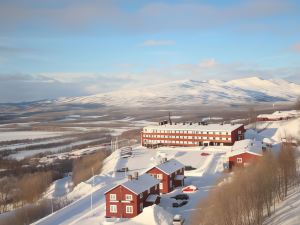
[(208, 63), (150, 43)]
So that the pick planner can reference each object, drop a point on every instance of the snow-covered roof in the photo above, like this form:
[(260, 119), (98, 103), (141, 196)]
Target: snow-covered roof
[(195, 127), (246, 145), (267, 140), (170, 166), (151, 198), (137, 186), (279, 114)]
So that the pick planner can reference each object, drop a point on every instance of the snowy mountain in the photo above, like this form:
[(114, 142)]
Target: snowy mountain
[(189, 92)]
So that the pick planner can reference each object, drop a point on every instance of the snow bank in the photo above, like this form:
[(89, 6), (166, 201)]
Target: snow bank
[(282, 129), (287, 212), (152, 215)]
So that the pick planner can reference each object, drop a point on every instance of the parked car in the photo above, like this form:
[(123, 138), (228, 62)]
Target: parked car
[(204, 154), (178, 220), (181, 197), (188, 168), (189, 189), (180, 204), (123, 169)]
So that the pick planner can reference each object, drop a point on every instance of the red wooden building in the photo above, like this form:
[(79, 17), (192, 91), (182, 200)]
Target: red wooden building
[(243, 159), (170, 173), (244, 153), (192, 134), (128, 199)]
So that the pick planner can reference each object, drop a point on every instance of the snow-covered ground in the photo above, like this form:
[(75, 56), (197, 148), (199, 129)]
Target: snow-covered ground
[(21, 135), (287, 212), (26, 153), (208, 169)]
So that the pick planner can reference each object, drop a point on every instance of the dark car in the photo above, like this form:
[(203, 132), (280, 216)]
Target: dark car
[(176, 204), (181, 197), (188, 168), (124, 169)]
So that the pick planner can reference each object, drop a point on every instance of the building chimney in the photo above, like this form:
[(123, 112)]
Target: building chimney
[(129, 177), (136, 175), (165, 160)]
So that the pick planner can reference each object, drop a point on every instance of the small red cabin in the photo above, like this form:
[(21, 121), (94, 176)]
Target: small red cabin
[(241, 159), (170, 173), (127, 200)]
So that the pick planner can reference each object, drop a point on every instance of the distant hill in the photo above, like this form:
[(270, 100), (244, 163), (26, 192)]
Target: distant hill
[(189, 92)]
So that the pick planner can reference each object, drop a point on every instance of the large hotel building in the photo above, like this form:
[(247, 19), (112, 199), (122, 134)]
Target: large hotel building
[(191, 134)]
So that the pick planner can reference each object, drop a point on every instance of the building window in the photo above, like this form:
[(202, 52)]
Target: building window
[(113, 208), (161, 185), (159, 176), (239, 160), (128, 197), (141, 207), (113, 197), (129, 209)]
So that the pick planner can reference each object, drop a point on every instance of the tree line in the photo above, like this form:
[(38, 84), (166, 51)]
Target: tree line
[(251, 193)]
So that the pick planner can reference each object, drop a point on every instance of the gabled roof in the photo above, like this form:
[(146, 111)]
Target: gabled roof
[(169, 166), (246, 146), (143, 183)]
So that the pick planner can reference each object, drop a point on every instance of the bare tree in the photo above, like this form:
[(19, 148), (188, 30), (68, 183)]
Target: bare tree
[(297, 104), (251, 193), (84, 167)]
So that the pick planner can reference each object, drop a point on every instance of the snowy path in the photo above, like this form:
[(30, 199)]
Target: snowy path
[(80, 207)]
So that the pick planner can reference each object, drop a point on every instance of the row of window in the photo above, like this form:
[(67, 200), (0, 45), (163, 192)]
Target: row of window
[(176, 142), (186, 132), (114, 209), (128, 197), (113, 197), (185, 137)]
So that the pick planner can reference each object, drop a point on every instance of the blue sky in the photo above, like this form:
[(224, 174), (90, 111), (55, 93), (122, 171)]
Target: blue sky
[(55, 48)]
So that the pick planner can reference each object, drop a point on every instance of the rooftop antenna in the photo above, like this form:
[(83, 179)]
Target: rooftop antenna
[(170, 121)]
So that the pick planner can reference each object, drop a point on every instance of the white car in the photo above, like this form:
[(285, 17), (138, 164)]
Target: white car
[(178, 220)]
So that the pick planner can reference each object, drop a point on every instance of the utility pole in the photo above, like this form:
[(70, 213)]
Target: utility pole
[(170, 121), (93, 184), (52, 206)]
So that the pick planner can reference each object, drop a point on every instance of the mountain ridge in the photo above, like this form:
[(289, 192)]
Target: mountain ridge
[(185, 92)]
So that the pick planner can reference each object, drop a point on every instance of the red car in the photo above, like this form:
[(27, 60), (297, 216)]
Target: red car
[(204, 154)]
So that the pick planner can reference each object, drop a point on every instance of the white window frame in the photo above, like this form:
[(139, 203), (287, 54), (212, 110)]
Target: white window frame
[(129, 207), (113, 208), (128, 197), (161, 186), (112, 197), (159, 176), (239, 160)]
